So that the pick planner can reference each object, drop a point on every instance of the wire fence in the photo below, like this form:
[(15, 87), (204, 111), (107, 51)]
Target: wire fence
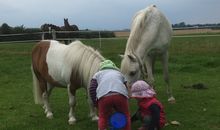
[(55, 35), (97, 34)]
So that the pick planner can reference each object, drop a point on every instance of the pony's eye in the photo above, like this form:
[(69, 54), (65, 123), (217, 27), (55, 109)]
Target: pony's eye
[(132, 73)]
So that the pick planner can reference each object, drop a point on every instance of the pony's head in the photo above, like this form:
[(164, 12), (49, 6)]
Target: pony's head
[(132, 68), (65, 20)]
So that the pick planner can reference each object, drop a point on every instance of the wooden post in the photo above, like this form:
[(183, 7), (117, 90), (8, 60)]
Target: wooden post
[(42, 36), (53, 34)]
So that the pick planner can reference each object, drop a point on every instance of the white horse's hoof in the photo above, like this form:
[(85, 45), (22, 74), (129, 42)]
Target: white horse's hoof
[(72, 121), (172, 100), (95, 118), (49, 115)]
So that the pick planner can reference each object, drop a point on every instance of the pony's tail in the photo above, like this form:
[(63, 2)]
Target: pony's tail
[(36, 89)]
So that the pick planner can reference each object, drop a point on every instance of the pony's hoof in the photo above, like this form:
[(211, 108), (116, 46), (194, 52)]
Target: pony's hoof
[(95, 118), (172, 100), (44, 107), (72, 121), (46, 111), (50, 115)]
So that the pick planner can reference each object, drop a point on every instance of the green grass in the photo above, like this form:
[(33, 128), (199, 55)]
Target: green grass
[(192, 60)]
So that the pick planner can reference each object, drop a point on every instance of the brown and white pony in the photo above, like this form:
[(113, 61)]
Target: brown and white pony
[(149, 37), (71, 66)]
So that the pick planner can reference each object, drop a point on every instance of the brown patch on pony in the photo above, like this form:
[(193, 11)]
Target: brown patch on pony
[(40, 68)]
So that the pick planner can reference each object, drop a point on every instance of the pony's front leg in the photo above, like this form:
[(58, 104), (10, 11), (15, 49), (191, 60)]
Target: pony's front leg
[(72, 103), (93, 111)]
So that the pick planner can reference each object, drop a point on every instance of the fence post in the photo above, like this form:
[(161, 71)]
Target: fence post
[(42, 36), (53, 34)]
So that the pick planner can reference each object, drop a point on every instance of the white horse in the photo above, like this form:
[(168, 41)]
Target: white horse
[(149, 37), (56, 64)]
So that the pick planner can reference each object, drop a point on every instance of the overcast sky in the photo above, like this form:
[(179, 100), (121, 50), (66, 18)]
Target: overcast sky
[(103, 14)]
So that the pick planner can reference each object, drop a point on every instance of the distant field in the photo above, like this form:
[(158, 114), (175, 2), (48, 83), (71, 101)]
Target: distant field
[(192, 61), (177, 32)]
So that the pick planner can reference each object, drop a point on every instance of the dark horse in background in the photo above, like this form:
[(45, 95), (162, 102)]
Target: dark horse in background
[(67, 27)]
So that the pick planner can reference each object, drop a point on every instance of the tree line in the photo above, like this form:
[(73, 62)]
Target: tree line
[(31, 35), (6, 29), (183, 24)]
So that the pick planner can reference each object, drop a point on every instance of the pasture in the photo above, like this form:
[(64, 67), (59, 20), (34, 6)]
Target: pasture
[(192, 60)]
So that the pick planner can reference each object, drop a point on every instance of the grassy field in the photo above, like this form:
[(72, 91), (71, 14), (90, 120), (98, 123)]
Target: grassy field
[(192, 61)]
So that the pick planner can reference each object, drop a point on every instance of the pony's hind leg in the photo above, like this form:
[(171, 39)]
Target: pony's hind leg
[(72, 103), (45, 96)]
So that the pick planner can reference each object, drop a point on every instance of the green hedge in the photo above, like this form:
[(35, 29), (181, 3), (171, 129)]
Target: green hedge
[(37, 36)]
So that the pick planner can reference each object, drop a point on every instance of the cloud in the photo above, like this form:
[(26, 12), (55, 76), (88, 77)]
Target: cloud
[(103, 14)]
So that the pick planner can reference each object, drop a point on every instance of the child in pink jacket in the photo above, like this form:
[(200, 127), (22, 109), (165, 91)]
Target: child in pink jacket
[(151, 111)]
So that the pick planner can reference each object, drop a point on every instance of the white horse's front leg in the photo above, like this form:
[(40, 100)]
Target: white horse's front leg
[(72, 103), (171, 99), (150, 78)]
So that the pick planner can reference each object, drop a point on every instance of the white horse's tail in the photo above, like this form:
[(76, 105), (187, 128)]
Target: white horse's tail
[(36, 89)]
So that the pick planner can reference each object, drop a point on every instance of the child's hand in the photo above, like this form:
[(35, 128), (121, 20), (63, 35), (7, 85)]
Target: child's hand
[(128, 86)]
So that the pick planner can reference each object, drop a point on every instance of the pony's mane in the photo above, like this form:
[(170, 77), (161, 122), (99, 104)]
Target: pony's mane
[(137, 28), (84, 60)]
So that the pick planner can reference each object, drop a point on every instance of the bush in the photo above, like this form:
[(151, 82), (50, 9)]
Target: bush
[(6, 29), (32, 34), (27, 36), (95, 34), (84, 34)]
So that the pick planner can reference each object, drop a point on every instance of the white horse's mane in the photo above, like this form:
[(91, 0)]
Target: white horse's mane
[(84, 59), (137, 28)]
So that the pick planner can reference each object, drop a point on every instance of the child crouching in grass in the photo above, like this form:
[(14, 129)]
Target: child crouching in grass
[(150, 111), (109, 93)]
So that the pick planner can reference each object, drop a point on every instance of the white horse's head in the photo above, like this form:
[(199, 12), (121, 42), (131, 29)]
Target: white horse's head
[(132, 67)]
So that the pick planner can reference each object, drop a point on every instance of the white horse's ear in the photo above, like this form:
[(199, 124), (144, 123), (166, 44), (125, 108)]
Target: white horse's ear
[(132, 58), (122, 56)]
